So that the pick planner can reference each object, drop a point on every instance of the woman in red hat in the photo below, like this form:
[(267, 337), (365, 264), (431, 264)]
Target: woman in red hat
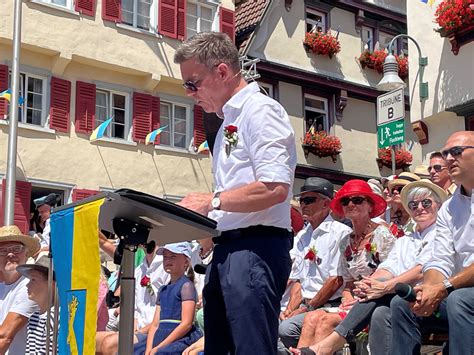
[(368, 245)]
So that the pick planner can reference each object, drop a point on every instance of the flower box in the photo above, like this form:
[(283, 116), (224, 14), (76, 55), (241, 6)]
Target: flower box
[(322, 145), (322, 43), (374, 60), (453, 16), (403, 158)]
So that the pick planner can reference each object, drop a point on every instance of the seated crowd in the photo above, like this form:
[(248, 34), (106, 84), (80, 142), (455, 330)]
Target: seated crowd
[(389, 261)]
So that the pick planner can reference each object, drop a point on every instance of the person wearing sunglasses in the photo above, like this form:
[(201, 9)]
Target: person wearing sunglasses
[(15, 307), (357, 202), (254, 160), (316, 274), (399, 216), (446, 297), (439, 174), (422, 199)]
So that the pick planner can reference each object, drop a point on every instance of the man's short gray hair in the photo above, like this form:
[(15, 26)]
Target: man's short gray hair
[(422, 192), (209, 49)]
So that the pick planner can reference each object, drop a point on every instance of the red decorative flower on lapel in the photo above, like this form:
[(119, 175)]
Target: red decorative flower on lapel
[(231, 138), (146, 282), (312, 255)]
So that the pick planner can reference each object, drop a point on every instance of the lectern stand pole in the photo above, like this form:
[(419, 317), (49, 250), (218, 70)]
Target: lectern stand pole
[(127, 301)]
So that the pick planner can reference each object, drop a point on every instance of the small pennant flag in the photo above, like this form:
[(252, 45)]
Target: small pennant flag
[(7, 95), (99, 132), (203, 147), (151, 137)]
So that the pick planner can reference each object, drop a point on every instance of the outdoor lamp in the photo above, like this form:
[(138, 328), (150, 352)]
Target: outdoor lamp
[(391, 80)]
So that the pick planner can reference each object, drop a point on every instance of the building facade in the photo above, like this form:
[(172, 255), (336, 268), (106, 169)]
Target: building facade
[(334, 94), (85, 61), (449, 74)]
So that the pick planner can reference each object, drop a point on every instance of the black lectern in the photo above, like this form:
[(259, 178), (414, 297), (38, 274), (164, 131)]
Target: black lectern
[(137, 218)]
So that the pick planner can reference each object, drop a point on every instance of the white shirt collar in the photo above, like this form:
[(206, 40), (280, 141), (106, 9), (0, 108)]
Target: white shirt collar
[(238, 100)]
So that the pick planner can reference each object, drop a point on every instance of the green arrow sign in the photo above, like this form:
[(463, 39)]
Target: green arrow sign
[(391, 133)]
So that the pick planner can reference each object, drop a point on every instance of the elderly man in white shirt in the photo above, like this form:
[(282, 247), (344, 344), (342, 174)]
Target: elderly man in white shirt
[(254, 158), (448, 278), (317, 265)]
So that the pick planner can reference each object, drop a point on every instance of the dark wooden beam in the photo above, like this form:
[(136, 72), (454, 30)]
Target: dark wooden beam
[(336, 177)]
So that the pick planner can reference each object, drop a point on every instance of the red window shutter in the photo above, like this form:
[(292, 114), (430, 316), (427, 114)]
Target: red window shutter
[(86, 7), (168, 18), (3, 87), (199, 131), (181, 30), (155, 116), (80, 194), (142, 116), (60, 104), (227, 22), (21, 214), (112, 10), (85, 107)]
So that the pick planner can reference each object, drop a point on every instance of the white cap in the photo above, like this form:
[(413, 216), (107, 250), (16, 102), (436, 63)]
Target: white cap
[(177, 248)]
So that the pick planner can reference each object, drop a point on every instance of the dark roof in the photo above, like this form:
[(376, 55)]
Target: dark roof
[(248, 14)]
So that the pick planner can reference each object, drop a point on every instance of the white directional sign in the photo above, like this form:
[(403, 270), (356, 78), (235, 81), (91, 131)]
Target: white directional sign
[(390, 106)]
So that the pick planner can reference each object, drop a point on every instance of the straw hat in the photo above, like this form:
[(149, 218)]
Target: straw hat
[(358, 187), (13, 234), (442, 194), (403, 179), (422, 171)]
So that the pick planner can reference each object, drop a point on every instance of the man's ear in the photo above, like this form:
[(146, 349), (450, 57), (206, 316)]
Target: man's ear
[(223, 71)]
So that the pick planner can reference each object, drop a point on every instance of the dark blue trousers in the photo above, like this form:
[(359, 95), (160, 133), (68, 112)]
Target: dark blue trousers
[(243, 290)]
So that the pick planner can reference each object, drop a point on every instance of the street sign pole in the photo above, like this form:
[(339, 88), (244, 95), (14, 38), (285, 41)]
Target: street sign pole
[(394, 165)]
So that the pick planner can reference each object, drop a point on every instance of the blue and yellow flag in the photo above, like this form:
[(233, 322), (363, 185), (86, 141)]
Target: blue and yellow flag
[(151, 137), (7, 95), (99, 132), (203, 147), (75, 247)]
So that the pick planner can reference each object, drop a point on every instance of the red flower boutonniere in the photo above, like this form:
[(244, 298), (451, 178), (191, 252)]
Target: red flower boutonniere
[(371, 248), (312, 255), (146, 282), (231, 138), (396, 231)]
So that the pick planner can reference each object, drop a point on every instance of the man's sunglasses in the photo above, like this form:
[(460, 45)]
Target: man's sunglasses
[(308, 200), (455, 151), (193, 85), (426, 203), (16, 249), (437, 168), (355, 200)]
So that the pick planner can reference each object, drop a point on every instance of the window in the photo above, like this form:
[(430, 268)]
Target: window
[(113, 104), (139, 14), (398, 45), (176, 117), (367, 35), (200, 18), (315, 21), (63, 3), (316, 113), (266, 89), (33, 93)]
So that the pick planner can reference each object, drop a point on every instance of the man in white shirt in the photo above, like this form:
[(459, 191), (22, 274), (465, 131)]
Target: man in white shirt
[(44, 205), (448, 278), (254, 158), (439, 173), (15, 306), (317, 266)]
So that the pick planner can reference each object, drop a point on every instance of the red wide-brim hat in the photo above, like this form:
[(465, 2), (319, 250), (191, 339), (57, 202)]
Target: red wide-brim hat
[(358, 188)]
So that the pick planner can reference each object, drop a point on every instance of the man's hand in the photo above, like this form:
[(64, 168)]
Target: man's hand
[(428, 298), (285, 314), (288, 314), (198, 202)]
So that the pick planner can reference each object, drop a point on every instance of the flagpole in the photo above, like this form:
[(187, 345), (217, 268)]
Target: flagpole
[(12, 132)]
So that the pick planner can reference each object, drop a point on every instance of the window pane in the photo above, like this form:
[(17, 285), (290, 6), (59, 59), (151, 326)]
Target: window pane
[(384, 39), (180, 140), (180, 112), (119, 101), (191, 8), (315, 21), (206, 13), (318, 104), (206, 26), (315, 119), (191, 22), (36, 102), (127, 11), (367, 37), (101, 108), (59, 2), (165, 121)]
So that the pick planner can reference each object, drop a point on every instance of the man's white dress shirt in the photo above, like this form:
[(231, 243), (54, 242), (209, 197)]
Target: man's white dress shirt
[(325, 239), (453, 247), (265, 152), (409, 251)]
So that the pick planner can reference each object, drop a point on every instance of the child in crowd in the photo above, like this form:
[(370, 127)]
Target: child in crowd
[(172, 329)]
